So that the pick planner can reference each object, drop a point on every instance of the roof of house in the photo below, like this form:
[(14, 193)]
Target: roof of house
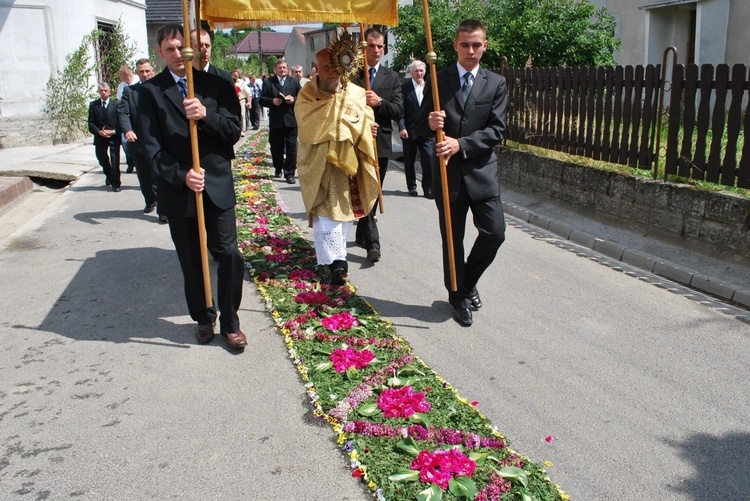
[(272, 42), (163, 11)]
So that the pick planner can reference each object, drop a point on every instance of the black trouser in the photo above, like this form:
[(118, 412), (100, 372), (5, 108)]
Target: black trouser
[(146, 179), (426, 149), (108, 155), (490, 222), (283, 140), (367, 229), (221, 230), (255, 114)]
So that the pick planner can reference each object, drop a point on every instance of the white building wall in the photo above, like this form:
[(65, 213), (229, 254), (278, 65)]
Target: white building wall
[(37, 35)]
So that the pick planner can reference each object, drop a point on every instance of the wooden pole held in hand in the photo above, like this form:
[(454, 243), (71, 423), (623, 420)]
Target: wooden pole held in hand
[(187, 56), (431, 59)]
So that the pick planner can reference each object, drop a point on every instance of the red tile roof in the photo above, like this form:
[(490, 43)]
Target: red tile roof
[(272, 42)]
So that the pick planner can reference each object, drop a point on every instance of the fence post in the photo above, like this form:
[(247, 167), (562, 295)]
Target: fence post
[(663, 89)]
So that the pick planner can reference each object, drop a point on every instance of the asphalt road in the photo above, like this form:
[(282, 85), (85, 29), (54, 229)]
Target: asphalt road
[(105, 395)]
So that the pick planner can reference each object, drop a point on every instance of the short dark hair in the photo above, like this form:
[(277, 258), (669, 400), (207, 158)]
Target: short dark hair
[(168, 32), (143, 60), (374, 32), (470, 26)]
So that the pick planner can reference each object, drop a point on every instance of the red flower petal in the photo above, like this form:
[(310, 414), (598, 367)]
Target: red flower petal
[(357, 473), (549, 438)]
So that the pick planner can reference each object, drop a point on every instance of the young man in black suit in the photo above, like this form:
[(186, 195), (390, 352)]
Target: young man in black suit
[(279, 93), (384, 97), (131, 128), (105, 126), (473, 103), (413, 92), (165, 117)]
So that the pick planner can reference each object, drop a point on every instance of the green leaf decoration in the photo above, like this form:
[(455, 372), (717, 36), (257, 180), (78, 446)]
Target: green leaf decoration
[(394, 382), (408, 446), (432, 493), (526, 497), (321, 351), (463, 487), (404, 475), (352, 374), (322, 367), (514, 474), (418, 418), (479, 457), (410, 370), (368, 410)]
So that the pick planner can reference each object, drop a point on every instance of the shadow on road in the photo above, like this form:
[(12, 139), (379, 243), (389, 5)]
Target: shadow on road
[(122, 296), (721, 464)]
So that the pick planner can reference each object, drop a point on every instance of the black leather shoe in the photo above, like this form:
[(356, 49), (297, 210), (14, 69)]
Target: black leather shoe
[(428, 194), (163, 220), (413, 192), (463, 316), (475, 300), (373, 255), (290, 180), (205, 333), (276, 174), (149, 208), (116, 189)]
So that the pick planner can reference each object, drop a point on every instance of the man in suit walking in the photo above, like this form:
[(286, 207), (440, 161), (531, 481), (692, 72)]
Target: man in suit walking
[(473, 103), (279, 94), (104, 125), (413, 92), (384, 97), (166, 112), (203, 63), (127, 108)]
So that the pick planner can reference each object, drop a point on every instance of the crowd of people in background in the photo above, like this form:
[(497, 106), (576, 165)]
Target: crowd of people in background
[(148, 118)]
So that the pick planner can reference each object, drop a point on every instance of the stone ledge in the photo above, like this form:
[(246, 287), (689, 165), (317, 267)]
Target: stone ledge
[(12, 188), (716, 223)]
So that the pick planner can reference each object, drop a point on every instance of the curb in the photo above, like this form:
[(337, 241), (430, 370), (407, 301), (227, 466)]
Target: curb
[(12, 188), (665, 269)]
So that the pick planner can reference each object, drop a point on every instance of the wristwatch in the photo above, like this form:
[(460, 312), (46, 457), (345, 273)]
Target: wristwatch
[(380, 103)]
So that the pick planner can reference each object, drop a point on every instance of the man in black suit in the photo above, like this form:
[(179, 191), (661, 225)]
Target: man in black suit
[(165, 117), (473, 103), (279, 94), (413, 92), (131, 129), (104, 125), (384, 97), (203, 63)]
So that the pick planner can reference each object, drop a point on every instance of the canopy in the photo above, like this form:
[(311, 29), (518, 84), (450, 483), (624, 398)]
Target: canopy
[(238, 13)]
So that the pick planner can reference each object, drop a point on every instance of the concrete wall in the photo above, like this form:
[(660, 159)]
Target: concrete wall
[(36, 36), (717, 224)]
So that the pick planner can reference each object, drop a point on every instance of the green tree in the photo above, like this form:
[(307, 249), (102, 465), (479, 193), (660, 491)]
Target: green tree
[(68, 91), (549, 32)]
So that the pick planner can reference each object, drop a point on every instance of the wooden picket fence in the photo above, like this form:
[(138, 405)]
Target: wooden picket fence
[(613, 114)]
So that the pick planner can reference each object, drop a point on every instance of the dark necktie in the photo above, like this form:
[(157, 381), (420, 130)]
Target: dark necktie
[(182, 84), (372, 77), (104, 104), (466, 87)]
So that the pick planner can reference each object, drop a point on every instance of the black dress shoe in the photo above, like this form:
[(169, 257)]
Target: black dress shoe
[(413, 192), (205, 333), (116, 189), (276, 174), (373, 255), (290, 180), (463, 316), (475, 300), (163, 220), (149, 208), (428, 194)]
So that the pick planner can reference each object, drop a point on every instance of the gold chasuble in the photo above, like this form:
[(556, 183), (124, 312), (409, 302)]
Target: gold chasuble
[(336, 152)]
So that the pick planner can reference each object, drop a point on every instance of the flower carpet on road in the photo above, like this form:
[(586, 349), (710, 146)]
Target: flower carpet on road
[(407, 433)]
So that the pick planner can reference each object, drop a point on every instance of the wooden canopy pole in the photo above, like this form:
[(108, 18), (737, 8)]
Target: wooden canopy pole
[(366, 78), (431, 59), (187, 56)]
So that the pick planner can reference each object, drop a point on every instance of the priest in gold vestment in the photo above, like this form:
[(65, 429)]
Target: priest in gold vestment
[(336, 161)]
